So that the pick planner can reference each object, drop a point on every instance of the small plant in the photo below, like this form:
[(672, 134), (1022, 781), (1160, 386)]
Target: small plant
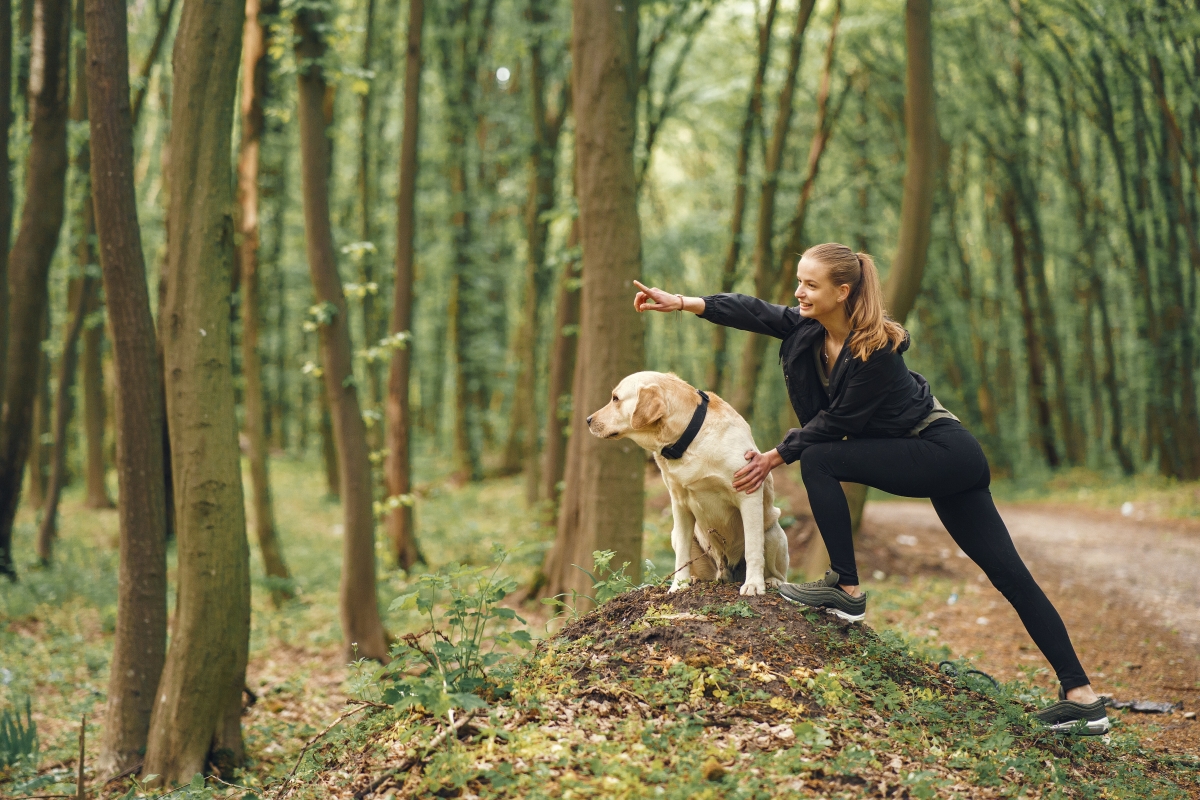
[(18, 739), (607, 583), (447, 666)]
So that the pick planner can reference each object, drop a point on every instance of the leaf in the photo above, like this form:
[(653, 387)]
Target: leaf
[(197, 783), (404, 601), (467, 701)]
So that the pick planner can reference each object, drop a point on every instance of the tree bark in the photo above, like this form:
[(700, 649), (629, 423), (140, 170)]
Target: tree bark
[(361, 625), (64, 407), (255, 71), (79, 292), (6, 194), (764, 245), (920, 163), (521, 450), (39, 451), (1033, 349), (402, 532), (602, 505), (371, 329), (196, 718), (563, 350), (94, 412), (140, 642), (751, 120), (29, 262)]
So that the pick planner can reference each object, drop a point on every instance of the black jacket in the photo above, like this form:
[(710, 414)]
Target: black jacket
[(878, 398)]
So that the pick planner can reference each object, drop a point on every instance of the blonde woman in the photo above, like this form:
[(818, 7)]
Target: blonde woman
[(868, 419)]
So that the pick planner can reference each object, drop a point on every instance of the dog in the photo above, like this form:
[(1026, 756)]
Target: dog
[(715, 527)]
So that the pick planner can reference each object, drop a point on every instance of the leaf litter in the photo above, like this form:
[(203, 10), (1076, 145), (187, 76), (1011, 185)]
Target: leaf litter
[(704, 693)]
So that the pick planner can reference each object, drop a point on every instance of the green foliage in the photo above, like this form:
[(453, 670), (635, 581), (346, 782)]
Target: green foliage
[(607, 583), (18, 738), (455, 663)]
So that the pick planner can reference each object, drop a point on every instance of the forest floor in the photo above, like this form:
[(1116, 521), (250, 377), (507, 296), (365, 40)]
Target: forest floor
[(1120, 581)]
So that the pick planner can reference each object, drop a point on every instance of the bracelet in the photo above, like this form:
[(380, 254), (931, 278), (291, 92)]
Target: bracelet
[(680, 301)]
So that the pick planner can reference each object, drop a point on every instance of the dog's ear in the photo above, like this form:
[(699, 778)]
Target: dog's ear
[(651, 407)]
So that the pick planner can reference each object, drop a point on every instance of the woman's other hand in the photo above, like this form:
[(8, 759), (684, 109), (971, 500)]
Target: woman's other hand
[(750, 477), (652, 299)]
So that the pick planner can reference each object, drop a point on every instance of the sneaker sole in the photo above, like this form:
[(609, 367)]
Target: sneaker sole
[(1094, 727), (837, 612)]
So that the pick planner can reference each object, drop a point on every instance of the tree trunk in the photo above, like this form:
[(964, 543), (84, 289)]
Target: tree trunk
[(920, 163), (559, 397), (602, 505), (79, 293), (361, 625), (366, 231), (6, 194), (401, 526), (140, 641), (64, 407), (255, 70), (94, 412), (39, 451), (1033, 349), (196, 718), (751, 120), (329, 453), (764, 246), (521, 449), (29, 262)]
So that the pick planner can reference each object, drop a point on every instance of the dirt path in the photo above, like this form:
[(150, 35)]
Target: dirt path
[(1125, 588), (1150, 564)]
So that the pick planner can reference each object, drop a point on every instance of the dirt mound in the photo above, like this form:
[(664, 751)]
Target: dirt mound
[(705, 693)]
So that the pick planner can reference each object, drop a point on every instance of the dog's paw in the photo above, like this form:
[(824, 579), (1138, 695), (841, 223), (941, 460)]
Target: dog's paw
[(775, 583), (678, 585), (752, 588)]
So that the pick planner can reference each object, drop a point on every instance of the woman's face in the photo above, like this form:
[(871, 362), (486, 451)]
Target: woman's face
[(817, 295)]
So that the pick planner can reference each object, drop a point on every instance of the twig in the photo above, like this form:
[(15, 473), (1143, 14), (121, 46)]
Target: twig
[(411, 761), (80, 794), (361, 704), (125, 773), (685, 566)]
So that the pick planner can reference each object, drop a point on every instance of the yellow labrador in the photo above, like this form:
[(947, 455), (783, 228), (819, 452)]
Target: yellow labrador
[(704, 440)]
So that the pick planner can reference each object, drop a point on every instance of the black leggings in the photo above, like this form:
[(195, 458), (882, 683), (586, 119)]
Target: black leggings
[(947, 465)]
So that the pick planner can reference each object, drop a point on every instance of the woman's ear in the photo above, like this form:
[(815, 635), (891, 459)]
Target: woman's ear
[(843, 293), (651, 406)]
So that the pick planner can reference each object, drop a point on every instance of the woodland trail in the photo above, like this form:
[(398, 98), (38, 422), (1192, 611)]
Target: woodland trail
[(1124, 586), (1151, 564)]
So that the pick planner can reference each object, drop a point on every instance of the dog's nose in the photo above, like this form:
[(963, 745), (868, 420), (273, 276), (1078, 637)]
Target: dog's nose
[(589, 420)]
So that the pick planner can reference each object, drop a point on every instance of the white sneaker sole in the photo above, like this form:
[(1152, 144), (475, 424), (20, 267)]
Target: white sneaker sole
[(837, 612), (1094, 727)]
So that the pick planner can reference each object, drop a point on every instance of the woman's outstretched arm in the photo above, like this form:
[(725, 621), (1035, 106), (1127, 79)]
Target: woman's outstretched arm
[(654, 299)]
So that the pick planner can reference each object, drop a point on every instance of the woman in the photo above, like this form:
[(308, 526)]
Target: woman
[(867, 419)]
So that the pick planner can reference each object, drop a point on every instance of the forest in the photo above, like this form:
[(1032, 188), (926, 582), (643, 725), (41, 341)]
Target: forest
[(304, 303)]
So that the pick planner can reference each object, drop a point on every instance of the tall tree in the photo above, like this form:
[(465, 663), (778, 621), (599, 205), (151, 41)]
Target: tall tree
[(362, 628), (255, 71), (559, 390), (546, 120), (751, 121), (401, 525), (140, 643), (764, 243), (602, 504), (81, 289), (921, 162), (6, 195), (197, 717), (94, 412), (29, 262)]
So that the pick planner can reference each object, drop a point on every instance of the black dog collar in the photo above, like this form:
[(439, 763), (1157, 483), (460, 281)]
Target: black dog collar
[(680, 447)]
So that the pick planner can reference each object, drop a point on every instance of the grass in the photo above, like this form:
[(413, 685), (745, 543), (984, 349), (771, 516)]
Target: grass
[(55, 641)]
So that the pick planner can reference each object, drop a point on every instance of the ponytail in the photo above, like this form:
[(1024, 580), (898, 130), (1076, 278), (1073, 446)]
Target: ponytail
[(872, 330)]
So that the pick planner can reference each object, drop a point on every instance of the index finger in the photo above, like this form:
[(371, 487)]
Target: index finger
[(640, 286)]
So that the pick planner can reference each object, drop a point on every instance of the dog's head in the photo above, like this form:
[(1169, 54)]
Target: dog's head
[(639, 404)]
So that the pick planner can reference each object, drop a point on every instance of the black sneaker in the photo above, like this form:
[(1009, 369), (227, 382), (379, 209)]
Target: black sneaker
[(1077, 718), (826, 594)]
